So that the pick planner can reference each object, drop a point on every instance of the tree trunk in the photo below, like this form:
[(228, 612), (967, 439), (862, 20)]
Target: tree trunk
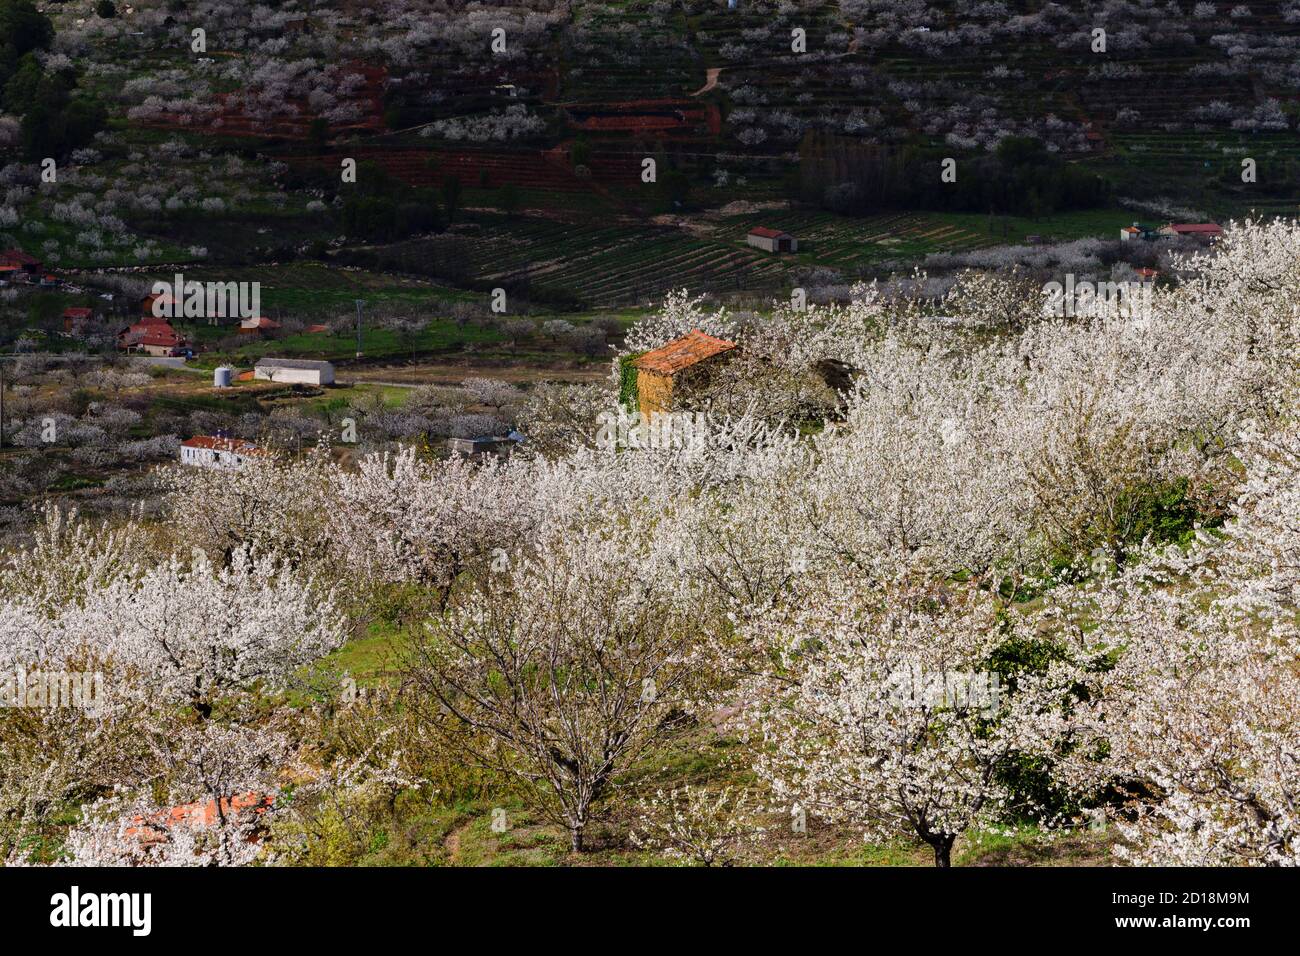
[(942, 846), (575, 839)]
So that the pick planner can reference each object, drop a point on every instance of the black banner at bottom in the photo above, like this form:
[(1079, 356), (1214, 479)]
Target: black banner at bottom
[(260, 906)]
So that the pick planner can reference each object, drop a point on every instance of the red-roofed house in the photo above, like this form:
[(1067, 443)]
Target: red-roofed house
[(21, 262), (1195, 230), (662, 371), (772, 240), (152, 336), (76, 319), (258, 325), (211, 451)]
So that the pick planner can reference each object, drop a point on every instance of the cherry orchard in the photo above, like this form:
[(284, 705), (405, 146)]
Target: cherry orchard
[(1073, 539)]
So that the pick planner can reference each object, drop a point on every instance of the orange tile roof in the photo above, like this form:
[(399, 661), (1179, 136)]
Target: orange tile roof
[(767, 233), (195, 816), (693, 347), (160, 337), (258, 322)]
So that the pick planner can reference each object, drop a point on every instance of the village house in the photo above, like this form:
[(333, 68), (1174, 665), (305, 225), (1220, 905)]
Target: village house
[(772, 240), (1137, 231), (295, 371), (162, 341), (1192, 230), (19, 265), (152, 336), (258, 325), (211, 451), (662, 373), (77, 319)]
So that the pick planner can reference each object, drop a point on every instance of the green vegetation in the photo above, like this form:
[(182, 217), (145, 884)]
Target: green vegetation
[(1021, 178), (55, 119)]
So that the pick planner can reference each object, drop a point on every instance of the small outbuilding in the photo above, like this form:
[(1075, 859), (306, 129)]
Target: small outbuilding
[(294, 371), (662, 371), (772, 240), (76, 319), (498, 445), (1137, 231), (257, 325)]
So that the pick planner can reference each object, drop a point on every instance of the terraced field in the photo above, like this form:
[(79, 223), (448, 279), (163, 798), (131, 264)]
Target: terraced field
[(626, 263), (855, 244), (618, 264)]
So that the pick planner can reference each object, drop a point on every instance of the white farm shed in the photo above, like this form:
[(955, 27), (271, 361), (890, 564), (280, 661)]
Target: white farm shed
[(772, 240), (216, 451), (294, 371)]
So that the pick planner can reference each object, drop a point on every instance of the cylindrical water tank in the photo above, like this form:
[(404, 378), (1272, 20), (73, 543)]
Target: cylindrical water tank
[(222, 376)]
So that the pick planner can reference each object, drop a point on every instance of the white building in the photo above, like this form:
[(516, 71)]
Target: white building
[(294, 371), (772, 240), (209, 451)]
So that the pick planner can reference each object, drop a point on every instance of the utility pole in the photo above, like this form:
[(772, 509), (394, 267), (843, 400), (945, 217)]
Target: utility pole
[(360, 303)]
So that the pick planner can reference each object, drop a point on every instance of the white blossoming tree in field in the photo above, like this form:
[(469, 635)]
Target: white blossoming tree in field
[(568, 666), (1205, 707), (222, 795), (880, 711), (270, 505), (178, 634), (920, 471), (403, 518), (69, 558), (1203, 704), (191, 633), (708, 827)]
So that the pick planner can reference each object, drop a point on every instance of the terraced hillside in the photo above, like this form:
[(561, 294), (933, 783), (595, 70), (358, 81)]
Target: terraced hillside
[(631, 263), (733, 104)]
